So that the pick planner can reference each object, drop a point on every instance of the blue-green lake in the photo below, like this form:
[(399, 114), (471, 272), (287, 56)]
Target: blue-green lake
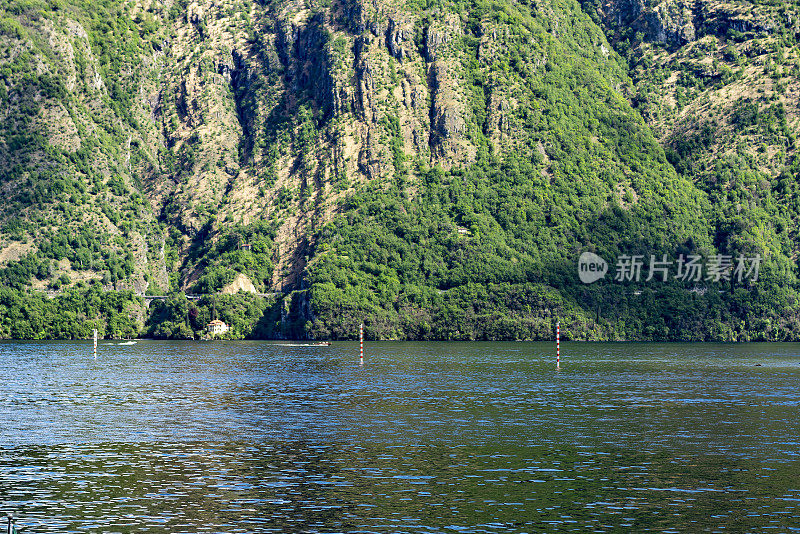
[(174, 437)]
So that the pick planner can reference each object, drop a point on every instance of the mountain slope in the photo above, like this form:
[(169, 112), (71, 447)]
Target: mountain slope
[(433, 169), (717, 81)]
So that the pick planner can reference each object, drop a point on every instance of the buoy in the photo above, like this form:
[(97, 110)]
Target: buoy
[(361, 343), (95, 343), (558, 346)]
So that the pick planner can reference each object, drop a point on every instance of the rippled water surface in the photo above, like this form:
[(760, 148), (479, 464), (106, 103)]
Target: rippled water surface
[(173, 437)]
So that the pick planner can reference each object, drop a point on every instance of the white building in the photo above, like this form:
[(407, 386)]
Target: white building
[(217, 327)]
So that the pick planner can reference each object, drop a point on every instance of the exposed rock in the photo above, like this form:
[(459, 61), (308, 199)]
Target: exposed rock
[(363, 74), (497, 122), (438, 36), (353, 16), (721, 18), (447, 116), (396, 36), (448, 96), (669, 21), (677, 22), (240, 283)]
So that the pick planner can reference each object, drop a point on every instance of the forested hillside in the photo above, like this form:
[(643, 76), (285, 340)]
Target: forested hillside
[(433, 169)]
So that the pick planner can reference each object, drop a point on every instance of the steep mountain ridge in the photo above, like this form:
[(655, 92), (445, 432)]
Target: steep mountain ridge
[(433, 167)]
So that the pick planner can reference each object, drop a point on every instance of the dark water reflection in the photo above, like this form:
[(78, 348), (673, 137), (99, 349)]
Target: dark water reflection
[(261, 437)]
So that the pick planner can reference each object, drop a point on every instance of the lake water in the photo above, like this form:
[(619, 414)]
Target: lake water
[(172, 437)]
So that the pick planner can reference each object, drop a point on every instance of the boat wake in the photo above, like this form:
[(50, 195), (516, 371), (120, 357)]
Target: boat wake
[(301, 345)]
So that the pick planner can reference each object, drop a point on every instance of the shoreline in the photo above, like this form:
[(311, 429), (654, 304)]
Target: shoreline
[(445, 341)]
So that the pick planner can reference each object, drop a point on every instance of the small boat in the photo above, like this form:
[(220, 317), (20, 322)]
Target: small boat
[(322, 344)]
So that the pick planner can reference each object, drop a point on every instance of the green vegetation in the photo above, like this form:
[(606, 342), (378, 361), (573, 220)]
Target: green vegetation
[(490, 251), (74, 313), (70, 315), (438, 186), (248, 316), (238, 249), (487, 268), (69, 75)]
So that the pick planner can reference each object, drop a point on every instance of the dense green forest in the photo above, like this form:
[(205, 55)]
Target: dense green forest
[(71, 315), (76, 312), (433, 170)]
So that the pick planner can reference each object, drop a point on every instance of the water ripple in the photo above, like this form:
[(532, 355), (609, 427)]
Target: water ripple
[(258, 437)]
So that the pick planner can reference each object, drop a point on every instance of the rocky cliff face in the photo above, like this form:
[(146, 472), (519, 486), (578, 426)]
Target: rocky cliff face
[(159, 127), (231, 112), (670, 22), (304, 107), (678, 22)]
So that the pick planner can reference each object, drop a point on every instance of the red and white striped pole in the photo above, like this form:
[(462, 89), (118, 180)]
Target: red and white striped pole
[(361, 343), (558, 345)]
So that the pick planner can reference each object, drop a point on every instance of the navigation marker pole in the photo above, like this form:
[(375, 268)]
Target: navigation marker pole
[(558, 346), (95, 343), (361, 343)]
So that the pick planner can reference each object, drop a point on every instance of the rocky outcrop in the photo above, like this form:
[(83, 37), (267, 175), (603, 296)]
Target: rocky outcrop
[(352, 16), (447, 115), (398, 38), (448, 111), (310, 65), (677, 22), (240, 283), (719, 18), (365, 84), (670, 22)]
